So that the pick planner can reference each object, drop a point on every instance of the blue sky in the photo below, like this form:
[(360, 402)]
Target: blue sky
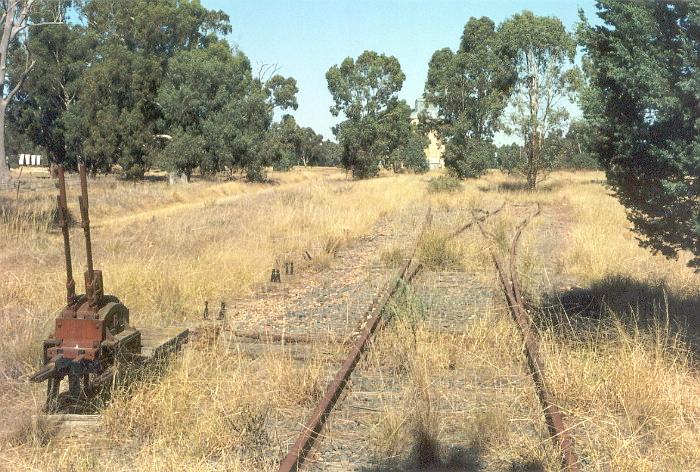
[(306, 37)]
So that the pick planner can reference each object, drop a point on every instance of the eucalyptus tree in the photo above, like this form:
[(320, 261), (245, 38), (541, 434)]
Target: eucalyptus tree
[(15, 18), (365, 90), (470, 89), (116, 115), (643, 103), (241, 130), (210, 98), (542, 53), (62, 54), (331, 154), (198, 84), (303, 142), (411, 154)]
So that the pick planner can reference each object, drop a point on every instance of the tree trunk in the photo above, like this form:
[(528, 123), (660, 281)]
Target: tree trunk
[(533, 164), (4, 49), (4, 169)]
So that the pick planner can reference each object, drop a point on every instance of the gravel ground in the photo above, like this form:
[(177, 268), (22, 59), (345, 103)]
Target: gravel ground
[(330, 301), (452, 301)]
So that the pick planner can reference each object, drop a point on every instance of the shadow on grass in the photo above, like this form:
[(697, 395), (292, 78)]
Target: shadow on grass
[(635, 302), (426, 456)]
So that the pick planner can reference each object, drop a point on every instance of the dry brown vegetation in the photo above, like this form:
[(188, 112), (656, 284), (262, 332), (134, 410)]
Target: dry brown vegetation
[(618, 326)]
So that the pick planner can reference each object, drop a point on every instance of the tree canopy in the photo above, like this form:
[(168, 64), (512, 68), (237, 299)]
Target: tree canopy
[(116, 115), (377, 123), (643, 102), (470, 89), (119, 92)]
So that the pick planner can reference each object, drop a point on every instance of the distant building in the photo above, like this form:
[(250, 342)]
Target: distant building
[(435, 150)]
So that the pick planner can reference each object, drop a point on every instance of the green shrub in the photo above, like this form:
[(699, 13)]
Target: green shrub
[(444, 183), (469, 158), (438, 251)]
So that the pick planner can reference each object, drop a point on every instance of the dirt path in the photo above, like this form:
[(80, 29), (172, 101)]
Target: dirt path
[(193, 205)]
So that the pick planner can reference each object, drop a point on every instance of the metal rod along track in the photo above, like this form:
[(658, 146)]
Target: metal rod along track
[(312, 428), (554, 417)]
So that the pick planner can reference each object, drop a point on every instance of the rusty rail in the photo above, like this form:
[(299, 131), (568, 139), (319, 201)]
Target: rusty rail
[(484, 214), (554, 417), (373, 319)]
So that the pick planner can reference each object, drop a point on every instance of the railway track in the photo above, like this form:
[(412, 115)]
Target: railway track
[(368, 389), (373, 320), (454, 299), (507, 274)]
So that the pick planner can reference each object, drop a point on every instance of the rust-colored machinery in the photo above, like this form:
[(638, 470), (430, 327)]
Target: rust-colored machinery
[(92, 332)]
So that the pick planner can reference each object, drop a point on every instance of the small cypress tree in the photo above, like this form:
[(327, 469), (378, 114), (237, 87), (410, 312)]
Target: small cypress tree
[(643, 100)]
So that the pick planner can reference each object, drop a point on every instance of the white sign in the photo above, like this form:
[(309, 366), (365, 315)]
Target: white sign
[(29, 159)]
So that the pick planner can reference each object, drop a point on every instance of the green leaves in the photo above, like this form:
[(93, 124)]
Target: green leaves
[(642, 99), (183, 153), (283, 92), (537, 41), (122, 81), (119, 91), (365, 87), (542, 54), (470, 89), (61, 54), (365, 91), (470, 158)]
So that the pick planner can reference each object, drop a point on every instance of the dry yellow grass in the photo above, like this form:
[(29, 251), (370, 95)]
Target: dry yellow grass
[(627, 379), (630, 386), (164, 260)]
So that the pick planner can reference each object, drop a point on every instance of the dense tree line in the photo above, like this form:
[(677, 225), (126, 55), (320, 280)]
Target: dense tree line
[(110, 89), (527, 63)]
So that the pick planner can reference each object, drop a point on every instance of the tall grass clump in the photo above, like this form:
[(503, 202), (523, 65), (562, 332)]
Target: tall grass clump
[(438, 251), (444, 184), (630, 392), (38, 214)]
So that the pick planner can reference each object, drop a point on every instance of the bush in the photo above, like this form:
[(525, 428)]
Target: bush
[(255, 172), (579, 160), (444, 183), (437, 251), (509, 158), (392, 257), (470, 158)]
